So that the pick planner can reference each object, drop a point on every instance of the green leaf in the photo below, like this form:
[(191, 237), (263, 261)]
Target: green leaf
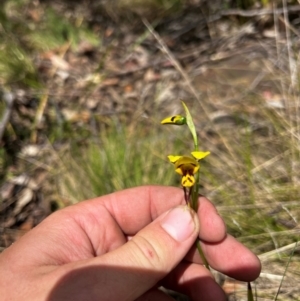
[(190, 124)]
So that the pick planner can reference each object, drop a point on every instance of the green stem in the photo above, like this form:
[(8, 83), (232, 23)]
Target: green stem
[(195, 204), (195, 194), (205, 262), (249, 292), (195, 189)]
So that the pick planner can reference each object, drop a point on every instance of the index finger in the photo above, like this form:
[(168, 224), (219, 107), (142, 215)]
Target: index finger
[(135, 208)]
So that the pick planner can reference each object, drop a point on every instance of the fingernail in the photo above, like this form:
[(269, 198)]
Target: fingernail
[(179, 223)]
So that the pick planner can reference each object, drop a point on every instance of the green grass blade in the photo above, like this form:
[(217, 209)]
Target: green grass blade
[(287, 265)]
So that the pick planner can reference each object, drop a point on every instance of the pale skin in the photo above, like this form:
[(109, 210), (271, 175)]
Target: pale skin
[(123, 246)]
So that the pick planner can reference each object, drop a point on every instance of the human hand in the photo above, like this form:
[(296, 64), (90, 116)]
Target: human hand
[(122, 246)]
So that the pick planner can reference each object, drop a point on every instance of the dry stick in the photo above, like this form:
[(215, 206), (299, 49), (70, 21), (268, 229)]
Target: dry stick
[(288, 28), (259, 12), (38, 116), (293, 78), (277, 251), (258, 206), (158, 63), (252, 12), (267, 234), (9, 100)]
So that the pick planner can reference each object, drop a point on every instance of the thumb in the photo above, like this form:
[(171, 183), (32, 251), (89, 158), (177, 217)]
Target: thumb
[(131, 270), (152, 253)]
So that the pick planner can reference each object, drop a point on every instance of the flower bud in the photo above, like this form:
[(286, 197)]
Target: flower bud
[(175, 120)]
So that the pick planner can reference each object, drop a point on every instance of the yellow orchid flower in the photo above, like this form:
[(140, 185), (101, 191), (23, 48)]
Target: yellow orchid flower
[(187, 166), (175, 120), (200, 155)]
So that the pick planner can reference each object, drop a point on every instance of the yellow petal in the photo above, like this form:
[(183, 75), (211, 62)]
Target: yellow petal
[(187, 180), (183, 160), (196, 168), (173, 159), (179, 171), (176, 120), (200, 155)]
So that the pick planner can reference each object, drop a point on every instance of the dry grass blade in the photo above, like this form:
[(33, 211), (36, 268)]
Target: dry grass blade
[(275, 252), (286, 268), (172, 58)]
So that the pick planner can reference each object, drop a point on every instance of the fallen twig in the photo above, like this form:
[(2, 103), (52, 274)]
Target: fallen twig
[(9, 100), (260, 12), (253, 12)]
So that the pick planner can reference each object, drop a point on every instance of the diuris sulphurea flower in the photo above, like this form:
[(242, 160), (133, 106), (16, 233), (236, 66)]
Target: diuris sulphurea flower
[(187, 166)]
